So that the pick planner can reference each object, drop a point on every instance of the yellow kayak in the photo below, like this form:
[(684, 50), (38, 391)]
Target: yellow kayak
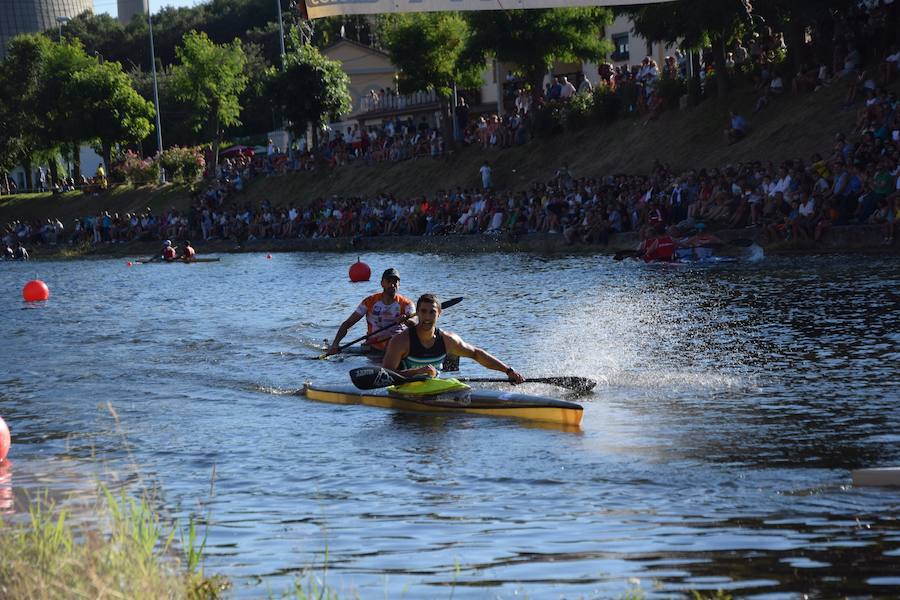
[(482, 402)]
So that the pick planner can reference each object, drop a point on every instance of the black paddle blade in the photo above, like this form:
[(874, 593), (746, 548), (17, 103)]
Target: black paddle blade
[(371, 378), (741, 242), (578, 384), (451, 302), (623, 254)]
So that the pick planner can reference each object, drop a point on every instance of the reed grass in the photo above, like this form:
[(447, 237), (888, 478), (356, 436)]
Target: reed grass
[(126, 551)]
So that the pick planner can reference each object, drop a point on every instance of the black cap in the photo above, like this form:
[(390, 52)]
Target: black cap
[(392, 272)]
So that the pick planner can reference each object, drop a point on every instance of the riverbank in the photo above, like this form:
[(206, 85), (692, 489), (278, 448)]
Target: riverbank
[(849, 239)]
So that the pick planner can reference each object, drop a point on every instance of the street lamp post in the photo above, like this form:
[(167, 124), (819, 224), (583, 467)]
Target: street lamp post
[(280, 33), (159, 144), (59, 21)]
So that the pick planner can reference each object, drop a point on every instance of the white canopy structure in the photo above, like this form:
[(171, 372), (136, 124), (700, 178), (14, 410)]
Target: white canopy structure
[(325, 8)]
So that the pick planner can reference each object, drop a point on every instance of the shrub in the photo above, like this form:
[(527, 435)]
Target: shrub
[(137, 170), (182, 164), (578, 111)]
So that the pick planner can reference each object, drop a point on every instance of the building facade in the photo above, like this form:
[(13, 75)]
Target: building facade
[(127, 9), (31, 16)]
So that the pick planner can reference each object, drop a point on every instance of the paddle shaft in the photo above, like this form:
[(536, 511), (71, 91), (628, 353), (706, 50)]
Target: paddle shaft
[(368, 378), (342, 347), (572, 383)]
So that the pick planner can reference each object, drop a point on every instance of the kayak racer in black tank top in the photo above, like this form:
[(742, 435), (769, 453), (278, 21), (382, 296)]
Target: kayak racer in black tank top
[(421, 349)]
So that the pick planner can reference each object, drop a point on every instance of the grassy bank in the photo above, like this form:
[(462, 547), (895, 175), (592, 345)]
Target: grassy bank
[(793, 126), (71, 205), (127, 553)]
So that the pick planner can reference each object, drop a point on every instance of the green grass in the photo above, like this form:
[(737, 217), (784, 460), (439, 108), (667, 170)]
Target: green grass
[(126, 552)]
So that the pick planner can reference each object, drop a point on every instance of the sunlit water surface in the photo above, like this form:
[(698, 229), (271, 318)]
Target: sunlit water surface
[(714, 454)]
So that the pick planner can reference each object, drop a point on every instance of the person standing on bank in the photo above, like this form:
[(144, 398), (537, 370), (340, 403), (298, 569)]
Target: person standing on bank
[(381, 310), (421, 350)]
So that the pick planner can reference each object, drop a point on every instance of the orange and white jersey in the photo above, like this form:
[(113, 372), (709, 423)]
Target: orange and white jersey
[(379, 315)]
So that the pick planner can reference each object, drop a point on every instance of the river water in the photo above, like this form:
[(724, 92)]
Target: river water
[(714, 454)]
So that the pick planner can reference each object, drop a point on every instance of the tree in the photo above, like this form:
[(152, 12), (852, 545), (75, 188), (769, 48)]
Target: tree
[(257, 112), (428, 49), (694, 24), (110, 110), (312, 89), (61, 111), (794, 17), (21, 75), (100, 35), (535, 39), (211, 78)]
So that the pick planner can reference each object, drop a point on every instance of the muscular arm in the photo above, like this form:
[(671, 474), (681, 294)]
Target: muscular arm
[(342, 331), (455, 345)]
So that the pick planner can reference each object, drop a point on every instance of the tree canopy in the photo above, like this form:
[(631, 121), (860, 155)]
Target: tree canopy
[(535, 39), (428, 49), (312, 88), (210, 78)]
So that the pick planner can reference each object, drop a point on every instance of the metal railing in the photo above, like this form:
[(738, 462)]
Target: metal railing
[(371, 103)]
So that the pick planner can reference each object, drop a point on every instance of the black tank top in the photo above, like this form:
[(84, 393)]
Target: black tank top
[(419, 355)]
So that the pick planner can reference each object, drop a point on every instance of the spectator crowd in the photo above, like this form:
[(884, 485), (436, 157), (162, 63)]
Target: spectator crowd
[(853, 181)]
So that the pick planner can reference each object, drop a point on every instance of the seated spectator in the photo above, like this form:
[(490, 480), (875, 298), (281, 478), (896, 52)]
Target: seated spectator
[(806, 80), (775, 89), (888, 67), (858, 88), (822, 77), (852, 60), (737, 127)]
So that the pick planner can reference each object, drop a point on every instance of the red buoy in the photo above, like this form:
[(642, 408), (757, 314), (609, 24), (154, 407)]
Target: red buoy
[(35, 291), (129, 263), (4, 440), (360, 271), (268, 256)]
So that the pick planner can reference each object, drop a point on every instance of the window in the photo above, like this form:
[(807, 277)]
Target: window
[(620, 42)]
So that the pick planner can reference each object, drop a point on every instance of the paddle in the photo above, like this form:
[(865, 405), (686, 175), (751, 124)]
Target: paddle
[(370, 378), (623, 254), (146, 261), (739, 242), (342, 347), (578, 384)]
